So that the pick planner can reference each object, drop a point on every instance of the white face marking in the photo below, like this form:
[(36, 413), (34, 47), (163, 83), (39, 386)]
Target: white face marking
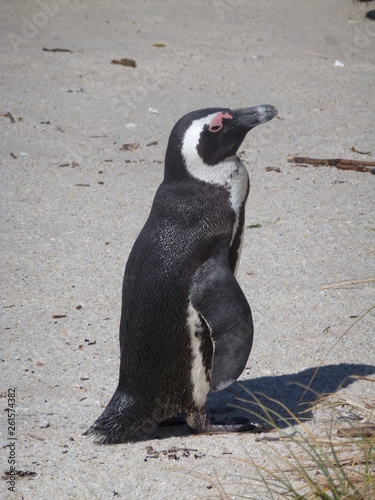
[(193, 161), (230, 173), (201, 385)]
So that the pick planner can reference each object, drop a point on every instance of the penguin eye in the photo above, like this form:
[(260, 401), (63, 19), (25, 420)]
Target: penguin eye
[(215, 128), (217, 123)]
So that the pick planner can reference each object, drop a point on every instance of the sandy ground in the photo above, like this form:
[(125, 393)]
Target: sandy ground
[(73, 203)]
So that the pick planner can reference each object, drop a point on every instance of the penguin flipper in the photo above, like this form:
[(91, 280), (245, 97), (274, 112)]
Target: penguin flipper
[(218, 298)]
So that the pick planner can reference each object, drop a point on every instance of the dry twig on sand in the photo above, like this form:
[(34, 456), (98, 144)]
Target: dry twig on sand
[(341, 163)]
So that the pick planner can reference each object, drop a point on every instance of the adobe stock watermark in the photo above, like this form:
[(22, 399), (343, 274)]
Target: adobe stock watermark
[(11, 445), (143, 90), (363, 37), (137, 96), (224, 7), (267, 134), (32, 25)]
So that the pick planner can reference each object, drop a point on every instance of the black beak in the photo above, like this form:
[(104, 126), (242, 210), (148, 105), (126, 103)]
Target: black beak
[(251, 117)]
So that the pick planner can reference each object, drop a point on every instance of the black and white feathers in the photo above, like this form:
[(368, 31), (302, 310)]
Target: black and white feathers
[(186, 326)]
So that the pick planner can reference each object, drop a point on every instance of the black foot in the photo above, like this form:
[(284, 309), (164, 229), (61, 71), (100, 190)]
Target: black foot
[(200, 423), (173, 421)]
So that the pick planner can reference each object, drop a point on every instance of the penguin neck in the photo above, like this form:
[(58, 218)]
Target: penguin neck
[(230, 173), (220, 174), (174, 165)]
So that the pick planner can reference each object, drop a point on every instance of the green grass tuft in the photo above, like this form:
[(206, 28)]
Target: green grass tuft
[(340, 464)]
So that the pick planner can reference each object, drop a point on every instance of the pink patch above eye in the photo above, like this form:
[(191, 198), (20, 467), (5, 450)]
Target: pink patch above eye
[(217, 122)]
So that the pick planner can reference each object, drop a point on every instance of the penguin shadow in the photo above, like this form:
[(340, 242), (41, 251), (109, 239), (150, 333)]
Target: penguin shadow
[(284, 396)]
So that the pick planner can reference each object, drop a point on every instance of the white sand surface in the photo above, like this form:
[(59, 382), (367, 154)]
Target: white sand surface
[(73, 203)]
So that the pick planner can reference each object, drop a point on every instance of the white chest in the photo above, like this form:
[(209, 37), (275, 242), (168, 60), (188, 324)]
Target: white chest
[(230, 173)]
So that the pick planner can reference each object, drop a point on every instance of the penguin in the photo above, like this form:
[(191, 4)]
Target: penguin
[(186, 327)]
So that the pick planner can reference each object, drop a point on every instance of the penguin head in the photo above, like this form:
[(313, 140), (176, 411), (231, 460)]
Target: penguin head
[(206, 138)]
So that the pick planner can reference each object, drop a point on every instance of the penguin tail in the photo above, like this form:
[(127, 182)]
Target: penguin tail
[(120, 421)]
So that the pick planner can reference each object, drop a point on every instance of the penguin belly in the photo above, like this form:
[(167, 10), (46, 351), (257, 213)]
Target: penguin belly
[(201, 353)]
